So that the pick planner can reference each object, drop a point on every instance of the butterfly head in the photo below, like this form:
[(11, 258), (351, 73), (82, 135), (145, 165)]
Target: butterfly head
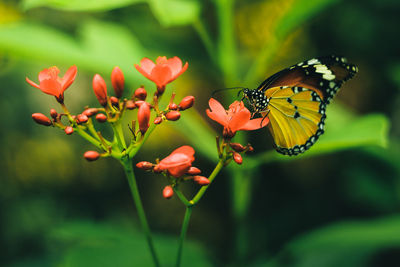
[(257, 99)]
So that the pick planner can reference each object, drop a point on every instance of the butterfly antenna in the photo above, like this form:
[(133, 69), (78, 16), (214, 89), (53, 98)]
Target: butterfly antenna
[(225, 89)]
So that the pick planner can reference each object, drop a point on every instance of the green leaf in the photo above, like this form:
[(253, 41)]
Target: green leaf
[(84, 243), (94, 49), (78, 5), (175, 12), (342, 244)]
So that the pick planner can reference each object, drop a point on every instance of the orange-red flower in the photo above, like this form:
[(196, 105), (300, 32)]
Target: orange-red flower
[(237, 118), (162, 72), (51, 84), (178, 162)]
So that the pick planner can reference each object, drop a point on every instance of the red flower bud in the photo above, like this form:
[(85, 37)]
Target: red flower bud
[(41, 119), (158, 120), (201, 180), (173, 115), (90, 112), (237, 158), (130, 104), (101, 117), (117, 81), (69, 130), (250, 148), (145, 165), (173, 106), (168, 192), (144, 117), (81, 118), (53, 113), (237, 147), (193, 171), (139, 103), (114, 101), (187, 102), (91, 155), (100, 89), (141, 93)]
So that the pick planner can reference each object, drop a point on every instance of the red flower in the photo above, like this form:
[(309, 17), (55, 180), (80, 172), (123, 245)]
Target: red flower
[(162, 72), (237, 118), (51, 84), (178, 162)]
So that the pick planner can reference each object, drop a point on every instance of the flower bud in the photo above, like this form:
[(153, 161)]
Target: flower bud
[(144, 117), (90, 112), (168, 192), (173, 115), (201, 180), (193, 171), (91, 155), (117, 81), (237, 158), (130, 104), (101, 117), (139, 103), (81, 118), (157, 120), (237, 147), (187, 102), (145, 165), (141, 93), (100, 89), (41, 119), (250, 148), (69, 130), (173, 106), (114, 101), (53, 113)]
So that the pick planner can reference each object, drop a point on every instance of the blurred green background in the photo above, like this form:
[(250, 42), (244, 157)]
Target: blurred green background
[(337, 205)]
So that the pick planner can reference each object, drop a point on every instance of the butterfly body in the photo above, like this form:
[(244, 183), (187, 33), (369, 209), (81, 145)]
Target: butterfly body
[(295, 100)]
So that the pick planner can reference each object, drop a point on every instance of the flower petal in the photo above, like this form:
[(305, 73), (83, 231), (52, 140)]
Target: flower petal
[(143, 72), (217, 112), (239, 119), (161, 74), (68, 77), (255, 124), (32, 83), (175, 64), (51, 87), (50, 73), (147, 65), (187, 150)]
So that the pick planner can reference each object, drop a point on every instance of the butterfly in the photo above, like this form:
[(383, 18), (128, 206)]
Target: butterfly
[(295, 100)]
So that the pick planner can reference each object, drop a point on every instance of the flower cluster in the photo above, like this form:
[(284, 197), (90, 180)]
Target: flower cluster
[(177, 167), (113, 108)]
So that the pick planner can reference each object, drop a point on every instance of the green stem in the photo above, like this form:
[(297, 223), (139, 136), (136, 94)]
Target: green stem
[(134, 148), (180, 195), (127, 164), (203, 189), (185, 226), (119, 135)]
